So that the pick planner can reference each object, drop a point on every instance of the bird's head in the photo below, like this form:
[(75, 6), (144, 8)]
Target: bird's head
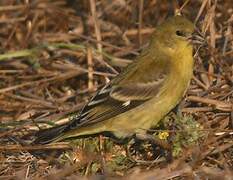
[(173, 33)]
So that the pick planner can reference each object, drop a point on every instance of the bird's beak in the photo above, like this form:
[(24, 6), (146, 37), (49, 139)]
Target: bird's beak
[(197, 38)]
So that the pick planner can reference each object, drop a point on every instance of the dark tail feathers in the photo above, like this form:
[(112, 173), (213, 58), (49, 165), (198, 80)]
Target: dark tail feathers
[(49, 135)]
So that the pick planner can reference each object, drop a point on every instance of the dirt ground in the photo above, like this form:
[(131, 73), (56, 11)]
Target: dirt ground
[(54, 54)]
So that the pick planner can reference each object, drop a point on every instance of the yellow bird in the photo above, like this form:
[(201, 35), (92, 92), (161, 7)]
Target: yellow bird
[(139, 97)]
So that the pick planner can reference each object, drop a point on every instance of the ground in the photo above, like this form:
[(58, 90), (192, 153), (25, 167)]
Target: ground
[(55, 54)]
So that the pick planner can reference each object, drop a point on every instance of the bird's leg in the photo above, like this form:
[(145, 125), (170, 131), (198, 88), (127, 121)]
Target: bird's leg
[(178, 108)]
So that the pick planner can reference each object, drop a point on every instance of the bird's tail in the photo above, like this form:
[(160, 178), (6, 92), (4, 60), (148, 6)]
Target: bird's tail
[(49, 135)]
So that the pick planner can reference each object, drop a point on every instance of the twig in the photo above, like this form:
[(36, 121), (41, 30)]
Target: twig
[(18, 148), (140, 20), (97, 28), (220, 105), (90, 69)]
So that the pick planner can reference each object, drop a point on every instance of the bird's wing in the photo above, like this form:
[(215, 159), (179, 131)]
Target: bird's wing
[(138, 91), (113, 100)]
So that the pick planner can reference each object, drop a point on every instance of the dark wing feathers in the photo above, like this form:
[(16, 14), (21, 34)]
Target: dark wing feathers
[(137, 91), (139, 82), (112, 100), (95, 112)]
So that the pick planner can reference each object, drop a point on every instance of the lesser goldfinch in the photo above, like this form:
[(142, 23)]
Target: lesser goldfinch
[(139, 97)]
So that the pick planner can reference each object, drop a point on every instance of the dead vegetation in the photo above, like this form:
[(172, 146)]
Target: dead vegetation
[(55, 54)]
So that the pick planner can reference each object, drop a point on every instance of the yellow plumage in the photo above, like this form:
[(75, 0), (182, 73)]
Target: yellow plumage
[(138, 98)]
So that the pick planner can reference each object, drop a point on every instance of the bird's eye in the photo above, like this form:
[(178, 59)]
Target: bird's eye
[(180, 33)]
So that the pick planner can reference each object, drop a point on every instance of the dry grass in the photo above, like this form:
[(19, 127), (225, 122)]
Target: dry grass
[(55, 54)]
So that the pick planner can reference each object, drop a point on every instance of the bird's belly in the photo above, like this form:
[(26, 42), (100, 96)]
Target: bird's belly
[(145, 117)]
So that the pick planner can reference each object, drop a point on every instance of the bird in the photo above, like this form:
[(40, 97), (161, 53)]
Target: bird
[(142, 94)]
